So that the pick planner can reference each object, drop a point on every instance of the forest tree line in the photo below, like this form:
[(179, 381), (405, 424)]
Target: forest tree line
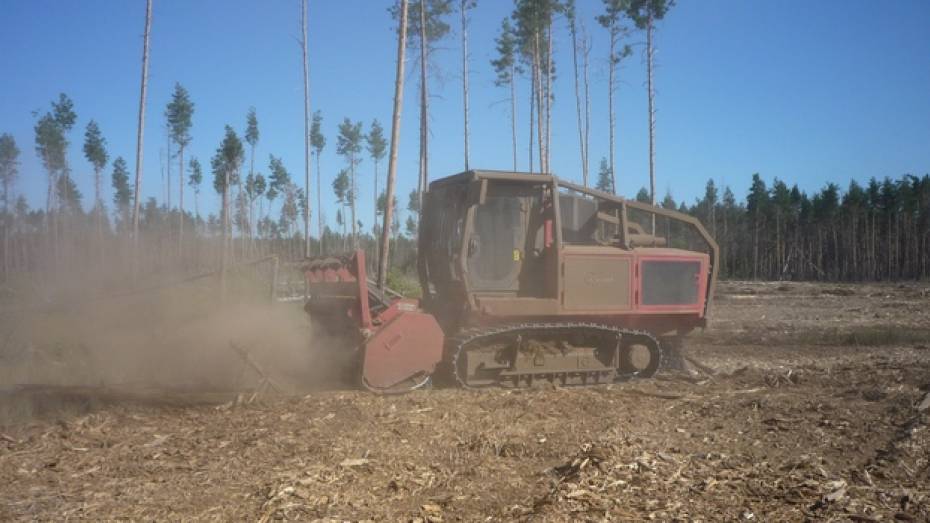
[(879, 230), (876, 230)]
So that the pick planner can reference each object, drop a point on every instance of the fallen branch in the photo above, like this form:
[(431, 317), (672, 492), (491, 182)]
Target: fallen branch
[(266, 381)]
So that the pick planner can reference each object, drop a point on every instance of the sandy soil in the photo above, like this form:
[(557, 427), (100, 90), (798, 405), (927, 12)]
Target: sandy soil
[(817, 408)]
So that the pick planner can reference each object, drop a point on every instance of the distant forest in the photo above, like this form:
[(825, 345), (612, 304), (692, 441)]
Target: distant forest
[(876, 231)]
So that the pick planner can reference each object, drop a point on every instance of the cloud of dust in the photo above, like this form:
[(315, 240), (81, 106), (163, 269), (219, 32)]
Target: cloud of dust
[(177, 338)]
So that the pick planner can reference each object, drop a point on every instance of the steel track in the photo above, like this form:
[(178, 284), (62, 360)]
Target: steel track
[(459, 342)]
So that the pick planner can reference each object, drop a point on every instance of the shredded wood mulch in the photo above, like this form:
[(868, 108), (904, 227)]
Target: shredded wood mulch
[(777, 433)]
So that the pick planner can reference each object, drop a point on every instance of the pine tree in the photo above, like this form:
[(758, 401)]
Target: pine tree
[(9, 167), (304, 15), (140, 132), (349, 145), (122, 192), (757, 204), (194, 179), (251, 137), (644, 14), (225, 164), (377, 147), (318, 141), (385, 248), (9, 171), (507, 68), (427, 22), (342, 191), (179, 114), (669, 202), (605, 179), (69, 196), (611, 20), (580, 96), (52, 143), (254, 188), (533, 21), (464, 7), (278, 180), (95, 150)]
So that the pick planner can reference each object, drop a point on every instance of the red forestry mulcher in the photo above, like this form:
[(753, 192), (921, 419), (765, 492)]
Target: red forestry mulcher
[(526, 278)]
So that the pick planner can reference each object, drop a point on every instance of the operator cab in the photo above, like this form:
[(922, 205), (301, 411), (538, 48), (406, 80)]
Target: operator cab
[(518, 243), (489, 235)]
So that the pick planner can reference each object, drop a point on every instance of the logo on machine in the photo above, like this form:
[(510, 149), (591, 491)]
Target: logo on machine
[(598, 278)]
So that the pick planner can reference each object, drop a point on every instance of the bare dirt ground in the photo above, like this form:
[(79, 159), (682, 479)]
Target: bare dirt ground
[(817, 408)]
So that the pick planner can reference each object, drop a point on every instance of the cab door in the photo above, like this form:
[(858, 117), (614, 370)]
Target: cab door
[(498, 235)]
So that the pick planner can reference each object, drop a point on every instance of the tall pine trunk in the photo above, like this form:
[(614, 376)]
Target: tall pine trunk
[(424, 109), (610, 107), (139, 135), (652, 118), (540, 108), (532, 113), (578, 113), (464, 75), (306, 78), (374, 224), (549, 94), (319, 201), (587, 100), (513, 113), (181, 200), (224, 259), (395, 143), (354, 189), (98, 206)]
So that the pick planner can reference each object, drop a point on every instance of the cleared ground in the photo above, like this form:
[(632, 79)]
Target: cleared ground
[(813, 404)]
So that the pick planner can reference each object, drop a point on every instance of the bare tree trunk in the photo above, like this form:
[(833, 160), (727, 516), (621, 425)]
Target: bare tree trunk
[(549, 95), (540, 108), (584, 166), (354, 189), (652, 119), (532, 112), (98, 206), (587, 102), (168, 169), (319, 201), (374, 224), (7, 258), (306, 75), (464, 75), (395, 143), (513, 112), (250, 194), (424, 109), (610, 107), (180, 200), (139, 135), (224, 259)]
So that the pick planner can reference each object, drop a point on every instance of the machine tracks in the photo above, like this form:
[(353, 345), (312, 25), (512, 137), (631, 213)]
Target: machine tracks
[(562, 353)]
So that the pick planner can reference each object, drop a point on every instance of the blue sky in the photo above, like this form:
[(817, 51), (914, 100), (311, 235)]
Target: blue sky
[(809, 92)]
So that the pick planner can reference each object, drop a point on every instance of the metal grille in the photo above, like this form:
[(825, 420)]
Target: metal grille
[(667, 282)]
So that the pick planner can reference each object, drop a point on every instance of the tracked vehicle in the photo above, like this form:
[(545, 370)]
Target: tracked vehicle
[(526, 278)]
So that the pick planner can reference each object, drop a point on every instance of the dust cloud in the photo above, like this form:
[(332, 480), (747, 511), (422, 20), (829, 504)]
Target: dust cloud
[(178, 339)]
